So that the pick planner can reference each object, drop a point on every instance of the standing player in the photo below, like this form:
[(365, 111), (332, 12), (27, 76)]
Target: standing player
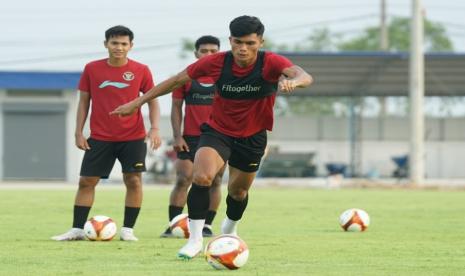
[(247, 80), (108, 83), (198, 95)]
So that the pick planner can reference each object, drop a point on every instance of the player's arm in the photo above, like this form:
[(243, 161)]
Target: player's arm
[(161, 89), (81, 117), (179, 143), (294, 77), (153, 134)]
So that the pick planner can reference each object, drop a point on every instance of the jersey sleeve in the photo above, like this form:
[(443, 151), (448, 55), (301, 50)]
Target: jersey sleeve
[(84, 81), (274, 66), (147, 82), (206, 66)]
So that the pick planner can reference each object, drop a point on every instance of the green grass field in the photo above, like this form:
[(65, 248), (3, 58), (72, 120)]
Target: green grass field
[(289, 232)]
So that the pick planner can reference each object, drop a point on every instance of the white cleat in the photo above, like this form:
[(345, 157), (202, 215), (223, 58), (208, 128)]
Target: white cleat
[(229, 227), (74, 234), (190, 250), (127, 234)]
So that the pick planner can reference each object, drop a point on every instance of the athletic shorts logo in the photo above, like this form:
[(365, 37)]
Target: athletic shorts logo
[(138, 165), (253, 164), (128, 76), (114, 84)]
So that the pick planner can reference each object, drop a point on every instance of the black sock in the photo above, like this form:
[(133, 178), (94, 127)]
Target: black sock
[(210, 216), (80, 214), (173, 211), (235, 209), (198, 200), (130, 216)]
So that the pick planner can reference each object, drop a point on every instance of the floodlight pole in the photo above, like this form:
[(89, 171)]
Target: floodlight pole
[(417, 90)]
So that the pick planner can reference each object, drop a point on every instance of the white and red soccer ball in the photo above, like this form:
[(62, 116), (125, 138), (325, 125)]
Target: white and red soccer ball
[(226, 252), (354, 220), (179, 226), (100, 228)]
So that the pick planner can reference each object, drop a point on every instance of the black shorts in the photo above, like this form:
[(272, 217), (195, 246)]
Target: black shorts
[(99, 160), (192, 142), (244, 154)]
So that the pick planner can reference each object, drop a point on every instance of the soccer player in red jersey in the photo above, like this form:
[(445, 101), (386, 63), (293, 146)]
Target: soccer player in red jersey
[(198, 97), (108, 83), (247, 81)]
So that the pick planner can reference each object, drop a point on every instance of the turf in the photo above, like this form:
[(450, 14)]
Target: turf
[(289, 232)]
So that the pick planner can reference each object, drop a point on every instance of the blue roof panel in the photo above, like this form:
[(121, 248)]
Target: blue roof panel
[(39, 80)]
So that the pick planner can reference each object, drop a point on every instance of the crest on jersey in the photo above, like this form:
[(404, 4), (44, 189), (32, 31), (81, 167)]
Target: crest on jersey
[(128, 76)]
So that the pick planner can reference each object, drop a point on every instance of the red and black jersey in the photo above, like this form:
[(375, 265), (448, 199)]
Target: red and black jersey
[(198, 96), (110, 87), (243, 105)]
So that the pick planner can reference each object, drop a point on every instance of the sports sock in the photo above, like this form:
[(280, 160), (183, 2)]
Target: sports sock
[(130, 216), (173, 211), (235, 209), (80, 214), (195, 229), (198, 200), (210, 216)]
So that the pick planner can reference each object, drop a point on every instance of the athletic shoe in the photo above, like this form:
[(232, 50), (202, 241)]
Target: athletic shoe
[(190, 250), (167, 233), (207, 231), (127, 234), (74, 234)]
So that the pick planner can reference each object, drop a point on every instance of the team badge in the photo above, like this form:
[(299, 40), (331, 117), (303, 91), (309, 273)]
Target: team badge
[(128, 76)]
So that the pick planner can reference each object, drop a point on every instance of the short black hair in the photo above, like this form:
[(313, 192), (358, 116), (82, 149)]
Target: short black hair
[(246, 25), (206, 39), (119, 30)]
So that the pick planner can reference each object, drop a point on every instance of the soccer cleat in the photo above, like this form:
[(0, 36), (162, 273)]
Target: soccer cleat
[(190, 250), (207, 231), (229, 227), (74, 234), (127, 234), (167, 234)]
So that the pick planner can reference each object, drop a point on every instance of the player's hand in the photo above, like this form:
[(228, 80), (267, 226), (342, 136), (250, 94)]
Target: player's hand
[(154, 137), (179, 144), (81, 142), (125, 109), (286, 85)]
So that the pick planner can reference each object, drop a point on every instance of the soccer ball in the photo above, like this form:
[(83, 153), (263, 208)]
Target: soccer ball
[(354, 220), (100, 228), (226, 252), (179, 226)]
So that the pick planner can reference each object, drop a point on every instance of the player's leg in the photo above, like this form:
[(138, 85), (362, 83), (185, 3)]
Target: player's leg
[(178, 197), (131, 154), (243, 164), (236, 201), (206, 165), (215, 199), (97, 162)]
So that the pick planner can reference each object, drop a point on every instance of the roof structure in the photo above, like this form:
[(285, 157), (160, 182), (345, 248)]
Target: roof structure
[(39, 80), (378, 73)]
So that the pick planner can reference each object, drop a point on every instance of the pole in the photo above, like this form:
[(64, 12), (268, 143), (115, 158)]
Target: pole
[(417, 90)]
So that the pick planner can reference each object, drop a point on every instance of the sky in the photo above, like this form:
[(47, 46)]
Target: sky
[(60, 35)]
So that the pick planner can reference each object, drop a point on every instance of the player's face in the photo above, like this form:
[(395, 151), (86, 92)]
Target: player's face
[(206, 50), (245, 48), (118, 46)]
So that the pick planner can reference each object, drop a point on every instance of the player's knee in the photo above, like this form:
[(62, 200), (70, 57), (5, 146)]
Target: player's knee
[(183, 182), (202, 179), (87, 182), (132, 181)]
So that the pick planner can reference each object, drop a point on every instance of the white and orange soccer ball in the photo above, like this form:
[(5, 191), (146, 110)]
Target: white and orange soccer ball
[(354, 220), (227, 252), (100, 228), (179, 226)]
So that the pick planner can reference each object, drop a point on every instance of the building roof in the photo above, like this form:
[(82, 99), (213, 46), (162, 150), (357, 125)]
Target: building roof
[(39, 80), (378, 73)]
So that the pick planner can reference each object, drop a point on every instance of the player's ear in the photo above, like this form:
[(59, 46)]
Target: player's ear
[(105, 44), (196, 54)]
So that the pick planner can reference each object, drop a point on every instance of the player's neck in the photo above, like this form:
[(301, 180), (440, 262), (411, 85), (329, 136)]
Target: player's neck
[(245, 63), (117, 62)]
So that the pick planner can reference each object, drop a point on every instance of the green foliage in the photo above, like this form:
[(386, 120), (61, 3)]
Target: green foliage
[(399, 37), (289, 232), (187, 47)]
